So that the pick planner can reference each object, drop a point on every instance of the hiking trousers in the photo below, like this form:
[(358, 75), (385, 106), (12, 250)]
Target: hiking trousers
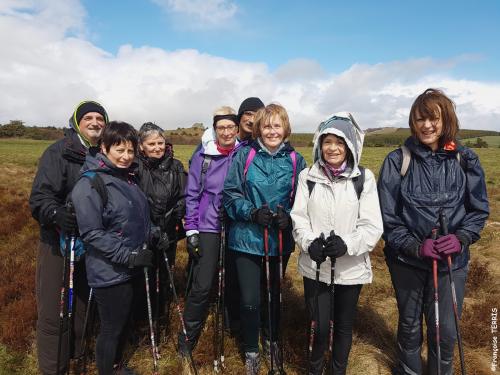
[(249, 267), (49, 271), (345, 306), (414, 290), (197, 300)]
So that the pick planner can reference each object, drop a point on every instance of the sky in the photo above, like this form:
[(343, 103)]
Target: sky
[(174, 62)]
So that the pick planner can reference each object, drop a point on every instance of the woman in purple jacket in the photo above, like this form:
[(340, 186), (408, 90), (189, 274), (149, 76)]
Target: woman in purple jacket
[(208, 169)]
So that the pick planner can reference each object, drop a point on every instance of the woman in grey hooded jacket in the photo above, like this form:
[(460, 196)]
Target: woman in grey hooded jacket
[(336, 215)]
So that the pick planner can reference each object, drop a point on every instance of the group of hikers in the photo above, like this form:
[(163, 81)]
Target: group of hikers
[(113, 202)]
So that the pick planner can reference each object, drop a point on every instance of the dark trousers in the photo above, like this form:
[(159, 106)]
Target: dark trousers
[(49, 271), (114, 304), (232, 292), (197, 301), (415, 298), (345, 306), (249, 269)]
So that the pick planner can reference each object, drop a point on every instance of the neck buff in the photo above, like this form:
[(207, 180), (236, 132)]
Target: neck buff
[(337, 171), (225, 150)]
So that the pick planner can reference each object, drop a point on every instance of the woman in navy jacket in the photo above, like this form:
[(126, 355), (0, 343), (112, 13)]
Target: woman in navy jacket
[(114, 234), (443, 179)]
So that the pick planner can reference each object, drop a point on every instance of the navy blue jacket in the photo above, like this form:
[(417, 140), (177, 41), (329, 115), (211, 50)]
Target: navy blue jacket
[(112, 232), (434, 181)]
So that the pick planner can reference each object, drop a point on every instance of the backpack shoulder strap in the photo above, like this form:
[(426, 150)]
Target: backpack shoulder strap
[(310, 186), (293, 155), (98, 185), (250, 157), (359, 181), (207, 159), (406, 160)]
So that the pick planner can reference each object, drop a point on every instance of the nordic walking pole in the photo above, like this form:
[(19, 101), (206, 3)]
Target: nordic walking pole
[(436, 308), (178, 307), (150, 318), (314, 316), (62, 304), (70, 293), (223, 292), (157, 299), (280, 249), (268, 283), (83, 342), (219, 307), (332, 308), (444, 231)]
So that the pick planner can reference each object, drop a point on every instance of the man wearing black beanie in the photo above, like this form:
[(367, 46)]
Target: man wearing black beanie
[(246, 114), (58, 171)]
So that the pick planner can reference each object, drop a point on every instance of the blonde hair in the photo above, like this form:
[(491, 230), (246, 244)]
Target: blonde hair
[(264, 116)]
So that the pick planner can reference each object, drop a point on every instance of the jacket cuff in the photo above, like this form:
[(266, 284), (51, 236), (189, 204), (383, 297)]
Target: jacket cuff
[(463, 238), (411, 248), (191, 232)]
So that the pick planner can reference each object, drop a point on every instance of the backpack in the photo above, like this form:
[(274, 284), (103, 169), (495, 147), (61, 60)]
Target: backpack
[(358, 182), (293, 156), (97, 183), (407, 158)]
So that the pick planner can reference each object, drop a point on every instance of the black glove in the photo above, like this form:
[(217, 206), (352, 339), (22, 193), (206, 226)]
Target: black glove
[(335, 246), (262, 216), (65, 219), (316, 250), (193, 245), (141, 257), (179, 212), (163, 242), (282, 220)]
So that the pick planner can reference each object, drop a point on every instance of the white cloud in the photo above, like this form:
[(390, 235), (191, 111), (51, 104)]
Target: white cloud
[(46, 71), (201, 13)]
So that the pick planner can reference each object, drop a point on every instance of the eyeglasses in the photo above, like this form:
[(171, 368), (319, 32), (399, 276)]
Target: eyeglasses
[(222, 129)]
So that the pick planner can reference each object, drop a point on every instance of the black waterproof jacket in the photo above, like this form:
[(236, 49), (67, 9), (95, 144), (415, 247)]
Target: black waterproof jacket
[(111, 232), (58, 171), (434, 181), (163, 181)]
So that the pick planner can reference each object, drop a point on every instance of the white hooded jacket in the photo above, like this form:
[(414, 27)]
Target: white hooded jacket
[(334, 205)]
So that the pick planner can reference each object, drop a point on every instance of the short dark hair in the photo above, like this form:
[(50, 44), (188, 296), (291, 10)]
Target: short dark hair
[(427, 104), (117, 132)]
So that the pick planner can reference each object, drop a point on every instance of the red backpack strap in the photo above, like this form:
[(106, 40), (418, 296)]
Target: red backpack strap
[(250, 157), (293, 155)]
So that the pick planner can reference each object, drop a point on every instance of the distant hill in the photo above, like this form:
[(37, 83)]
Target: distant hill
[(375, 137)]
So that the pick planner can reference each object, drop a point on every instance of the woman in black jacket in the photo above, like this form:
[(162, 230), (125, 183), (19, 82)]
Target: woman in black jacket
[(162, 179), (114, 225), (430, 185)]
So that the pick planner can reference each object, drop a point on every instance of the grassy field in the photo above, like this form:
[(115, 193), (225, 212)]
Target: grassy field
[(492, 140), (373, 350)]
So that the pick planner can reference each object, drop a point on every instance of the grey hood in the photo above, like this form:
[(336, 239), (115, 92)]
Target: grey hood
[(341, 124)]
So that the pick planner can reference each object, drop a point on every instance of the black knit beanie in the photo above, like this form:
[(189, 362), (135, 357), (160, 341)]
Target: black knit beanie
[(249, 104), (87, 107)]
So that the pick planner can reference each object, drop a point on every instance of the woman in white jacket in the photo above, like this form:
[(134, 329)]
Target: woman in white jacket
[(336, 215)]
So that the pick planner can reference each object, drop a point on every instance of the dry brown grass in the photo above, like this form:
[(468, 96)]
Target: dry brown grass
[(373, 350)]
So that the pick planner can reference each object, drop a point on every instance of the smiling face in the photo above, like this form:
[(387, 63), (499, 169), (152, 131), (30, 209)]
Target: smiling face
[(272, 133), (246, 123), (333, 150), (429, 130), (153, 146), (225, 133), (121, 155), (91, 126)]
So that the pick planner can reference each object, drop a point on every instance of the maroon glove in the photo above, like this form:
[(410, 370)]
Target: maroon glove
[(427, 250), (448, 245)]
